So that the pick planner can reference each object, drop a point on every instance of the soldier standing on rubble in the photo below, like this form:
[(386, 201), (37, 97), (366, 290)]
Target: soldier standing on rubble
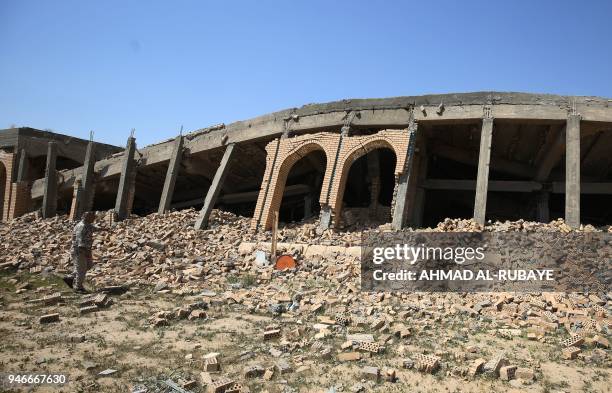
[(82, 261)]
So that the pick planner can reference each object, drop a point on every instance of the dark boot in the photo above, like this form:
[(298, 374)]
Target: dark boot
[(69, 280)]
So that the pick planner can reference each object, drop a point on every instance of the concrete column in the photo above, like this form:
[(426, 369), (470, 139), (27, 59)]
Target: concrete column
[(123, 192), (171, 175), (419, 197), (400, 210), (49, 206), (373, 159), (325, 217), (482, 181), (307, 206), (572, 171), (22, 171), (543, 210), (215, 188), (88, 187), (77, 201)]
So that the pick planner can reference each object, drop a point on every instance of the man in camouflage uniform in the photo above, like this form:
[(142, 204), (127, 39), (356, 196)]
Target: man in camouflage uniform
[(81, 252)]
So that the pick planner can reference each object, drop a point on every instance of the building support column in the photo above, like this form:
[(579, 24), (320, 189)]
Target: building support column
[(482, 181), (125, 182), (49, 206), (215, 188), (77, 201), (326, 210), (572, 171), (86, 194), (543, 210), (419, 197), (22, 171), (400, 210), (171, 175)]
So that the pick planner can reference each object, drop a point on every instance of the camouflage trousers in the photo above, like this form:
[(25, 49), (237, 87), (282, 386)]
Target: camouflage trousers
[(81, 264)]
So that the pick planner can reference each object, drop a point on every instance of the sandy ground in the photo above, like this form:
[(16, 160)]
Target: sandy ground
[(121, 337)]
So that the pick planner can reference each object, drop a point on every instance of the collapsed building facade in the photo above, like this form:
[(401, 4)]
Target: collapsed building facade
[(409, 161)]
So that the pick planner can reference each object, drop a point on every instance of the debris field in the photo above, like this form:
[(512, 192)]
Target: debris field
[(175, 309)]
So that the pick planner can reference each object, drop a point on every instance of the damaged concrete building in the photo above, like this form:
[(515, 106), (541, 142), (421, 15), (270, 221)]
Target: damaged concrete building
[(409, 161)]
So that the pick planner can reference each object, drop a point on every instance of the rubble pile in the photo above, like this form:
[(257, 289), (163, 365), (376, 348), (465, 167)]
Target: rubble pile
[(322, 314)]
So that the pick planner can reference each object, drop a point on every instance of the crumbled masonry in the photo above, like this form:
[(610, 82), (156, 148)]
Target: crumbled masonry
[(327, 332)]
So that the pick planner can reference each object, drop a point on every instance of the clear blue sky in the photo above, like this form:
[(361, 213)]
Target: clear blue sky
[(109, 66)]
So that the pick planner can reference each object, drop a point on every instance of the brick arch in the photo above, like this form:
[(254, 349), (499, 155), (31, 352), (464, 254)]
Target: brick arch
[(289, 151), (356, 147)]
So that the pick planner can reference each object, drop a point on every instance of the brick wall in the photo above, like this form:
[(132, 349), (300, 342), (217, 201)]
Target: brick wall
[(7, 162), (20, 199), (288, 152), (282, 154), (353, 147)]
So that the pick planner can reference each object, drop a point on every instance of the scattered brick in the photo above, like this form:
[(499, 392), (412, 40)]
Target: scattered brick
[(574, 341), (349, 356), (220, 385), (211, 364), (49, 318), (571, 353), (370, 347), (426, 363), (526, 374), (271, 334), (253, 371), (371, 373), (476, 367), (88, 309), (506, 373)]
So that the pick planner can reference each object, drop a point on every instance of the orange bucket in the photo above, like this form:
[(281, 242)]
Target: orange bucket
[(285, 262)]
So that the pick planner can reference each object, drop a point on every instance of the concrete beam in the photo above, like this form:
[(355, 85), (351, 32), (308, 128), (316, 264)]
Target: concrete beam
[(384, 113), (122, 203), (171, 175), (400, 210), (482, 181), (585, 188), (215, 188), (572, 171), (49, 206), (499, 164), (494, 185)]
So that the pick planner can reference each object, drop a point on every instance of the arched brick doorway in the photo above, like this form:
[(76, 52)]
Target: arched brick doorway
[(366, 184), (300, 199), (307, 163), (368, 192)]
